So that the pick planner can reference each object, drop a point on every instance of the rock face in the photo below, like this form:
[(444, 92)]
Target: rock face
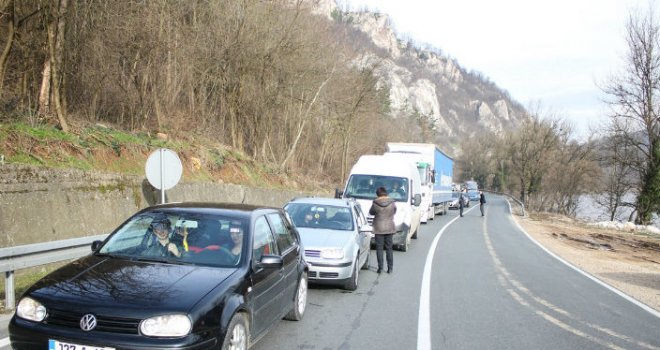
[(427, 83)]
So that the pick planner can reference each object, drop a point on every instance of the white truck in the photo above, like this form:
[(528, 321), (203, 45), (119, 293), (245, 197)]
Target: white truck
[(373, 171), (436, 174)]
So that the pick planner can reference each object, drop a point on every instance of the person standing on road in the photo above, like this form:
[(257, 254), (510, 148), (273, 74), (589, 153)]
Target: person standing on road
[(482, 202), (461, 204), (383, 209)]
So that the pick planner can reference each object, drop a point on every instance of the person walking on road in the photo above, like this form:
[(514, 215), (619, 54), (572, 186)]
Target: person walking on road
[(461, 204), (482, 202), (383, 209)]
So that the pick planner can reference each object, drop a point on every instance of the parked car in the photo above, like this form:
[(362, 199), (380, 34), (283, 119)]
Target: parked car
[(174, 276), (454, 200), (336, 238)]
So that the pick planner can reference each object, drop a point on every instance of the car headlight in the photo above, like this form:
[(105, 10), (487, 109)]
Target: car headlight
[(31, 309), (334, 253), (166, 326)]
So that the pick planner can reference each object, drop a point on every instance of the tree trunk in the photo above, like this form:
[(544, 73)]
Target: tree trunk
[(11, 34), (44, 92), (57, 52), (51, 89)]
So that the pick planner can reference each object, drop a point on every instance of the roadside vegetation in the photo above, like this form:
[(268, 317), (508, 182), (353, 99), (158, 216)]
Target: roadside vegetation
[(118, 151), (548, 170)]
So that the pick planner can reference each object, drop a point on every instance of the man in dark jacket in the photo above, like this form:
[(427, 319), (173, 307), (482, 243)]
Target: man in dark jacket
[(482, 201), (461, 204), (383, 209)]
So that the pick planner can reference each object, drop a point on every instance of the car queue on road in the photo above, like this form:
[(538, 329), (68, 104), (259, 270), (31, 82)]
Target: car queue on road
[(213, 275)]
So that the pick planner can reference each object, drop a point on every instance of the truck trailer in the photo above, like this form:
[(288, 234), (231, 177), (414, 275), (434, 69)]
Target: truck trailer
[(436, 171)]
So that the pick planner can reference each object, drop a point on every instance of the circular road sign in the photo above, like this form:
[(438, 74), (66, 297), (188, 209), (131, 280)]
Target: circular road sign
[(163, 169)]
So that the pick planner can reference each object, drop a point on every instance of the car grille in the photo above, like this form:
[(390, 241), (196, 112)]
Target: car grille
[(328, 275), (314, 274), (313, 253), (104, 323)]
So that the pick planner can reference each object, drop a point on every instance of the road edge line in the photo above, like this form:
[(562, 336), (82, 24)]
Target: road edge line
[(622, 294), (424, 312)]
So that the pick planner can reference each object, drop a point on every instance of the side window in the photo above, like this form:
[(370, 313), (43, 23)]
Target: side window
[(264, 244), (283, 235)]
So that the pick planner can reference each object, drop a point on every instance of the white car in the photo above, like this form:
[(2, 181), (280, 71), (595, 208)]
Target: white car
[(335, 236)]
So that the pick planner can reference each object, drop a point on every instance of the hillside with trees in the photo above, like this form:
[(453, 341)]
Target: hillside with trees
[(300, 87)]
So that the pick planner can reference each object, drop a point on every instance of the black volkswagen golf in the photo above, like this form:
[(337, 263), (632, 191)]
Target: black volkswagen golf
[(174, 276)]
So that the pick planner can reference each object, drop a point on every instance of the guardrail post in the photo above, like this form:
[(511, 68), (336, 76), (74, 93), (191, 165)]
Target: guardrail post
[(10, 300)]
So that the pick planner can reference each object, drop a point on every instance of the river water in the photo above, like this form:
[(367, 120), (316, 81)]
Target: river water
[(589, 210)]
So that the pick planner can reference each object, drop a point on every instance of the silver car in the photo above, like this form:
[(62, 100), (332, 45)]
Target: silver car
[(335, 235), (454, 200)]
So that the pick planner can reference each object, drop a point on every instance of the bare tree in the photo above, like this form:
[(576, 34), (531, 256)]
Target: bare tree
[(618, 178), (635, 119), (529, 149)]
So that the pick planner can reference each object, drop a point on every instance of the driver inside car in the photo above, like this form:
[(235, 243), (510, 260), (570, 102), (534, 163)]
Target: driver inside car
[(161, 227)]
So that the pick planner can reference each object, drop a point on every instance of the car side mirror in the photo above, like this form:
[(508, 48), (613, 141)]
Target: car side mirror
[(96, 245), (271, 262), (338, 193), (417, 200), (366, 229)]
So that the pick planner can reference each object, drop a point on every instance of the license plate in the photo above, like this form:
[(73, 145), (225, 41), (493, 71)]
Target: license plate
[(58, 345)]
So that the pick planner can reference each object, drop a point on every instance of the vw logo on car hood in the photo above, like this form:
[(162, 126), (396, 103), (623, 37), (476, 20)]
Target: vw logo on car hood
[(88, 322)]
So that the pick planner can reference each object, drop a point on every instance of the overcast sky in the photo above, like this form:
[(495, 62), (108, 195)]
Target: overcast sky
[(555, 53)]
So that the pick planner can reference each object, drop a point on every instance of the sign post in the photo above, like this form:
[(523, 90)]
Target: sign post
[(163, 170)]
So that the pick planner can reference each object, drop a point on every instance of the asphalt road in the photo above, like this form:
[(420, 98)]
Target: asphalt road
[(468, 283)]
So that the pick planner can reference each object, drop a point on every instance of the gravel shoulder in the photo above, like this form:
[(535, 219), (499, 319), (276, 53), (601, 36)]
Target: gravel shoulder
[(627, 261)]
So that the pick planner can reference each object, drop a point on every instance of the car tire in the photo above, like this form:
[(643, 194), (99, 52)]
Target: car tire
[(353, 282), (237, 336), (414, 235), (300, 301)]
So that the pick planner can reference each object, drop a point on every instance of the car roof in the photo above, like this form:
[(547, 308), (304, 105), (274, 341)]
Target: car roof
[(339, 202), (227, 209)]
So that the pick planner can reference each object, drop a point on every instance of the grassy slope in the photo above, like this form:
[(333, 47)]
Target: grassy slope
[(115, 151)]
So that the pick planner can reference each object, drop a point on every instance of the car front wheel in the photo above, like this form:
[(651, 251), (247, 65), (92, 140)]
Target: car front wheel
[(300, 301), (236, 337), (352, 282)]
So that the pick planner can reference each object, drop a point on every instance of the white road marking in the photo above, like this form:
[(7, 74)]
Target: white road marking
[(591, 277), (4, 342), (506, 279), (424, 318)]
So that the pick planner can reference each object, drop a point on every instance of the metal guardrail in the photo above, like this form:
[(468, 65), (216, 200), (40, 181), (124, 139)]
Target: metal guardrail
[(31, 255)]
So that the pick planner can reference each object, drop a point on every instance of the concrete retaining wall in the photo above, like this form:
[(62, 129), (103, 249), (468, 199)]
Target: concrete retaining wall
[(38, 205)]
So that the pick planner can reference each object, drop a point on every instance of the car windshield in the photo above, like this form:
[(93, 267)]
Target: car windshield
[(320, 216), (455, 194), (179, 237), (364, 187)]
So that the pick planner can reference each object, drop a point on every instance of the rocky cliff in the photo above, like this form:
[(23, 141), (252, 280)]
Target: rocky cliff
[(460, 104)]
